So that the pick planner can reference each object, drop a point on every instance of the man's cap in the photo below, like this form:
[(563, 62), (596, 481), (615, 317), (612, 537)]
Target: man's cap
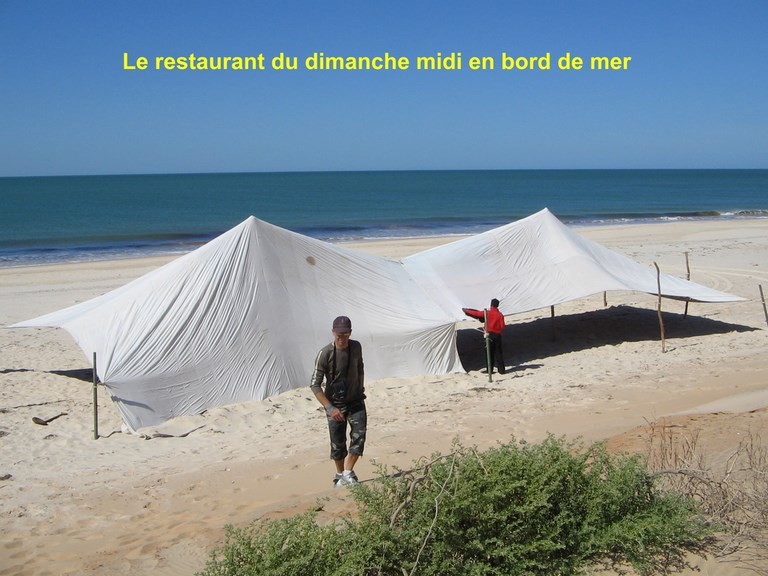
[(342, 324)]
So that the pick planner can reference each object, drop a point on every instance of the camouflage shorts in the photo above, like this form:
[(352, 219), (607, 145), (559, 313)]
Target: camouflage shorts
[(358, 424)]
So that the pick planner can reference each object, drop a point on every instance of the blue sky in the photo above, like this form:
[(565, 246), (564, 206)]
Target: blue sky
[(694, 95)]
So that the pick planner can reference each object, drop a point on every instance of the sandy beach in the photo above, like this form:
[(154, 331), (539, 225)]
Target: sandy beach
[(158, 504)]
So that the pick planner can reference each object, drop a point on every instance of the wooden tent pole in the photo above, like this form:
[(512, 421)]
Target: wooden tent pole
[(661, 319), (487, 345), (687, 277), (762, 297), (552, 312), (95, 401)]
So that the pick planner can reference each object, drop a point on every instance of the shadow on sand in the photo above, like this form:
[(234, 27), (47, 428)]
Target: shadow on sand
[(538, 339), (533, 340), (85, 374)]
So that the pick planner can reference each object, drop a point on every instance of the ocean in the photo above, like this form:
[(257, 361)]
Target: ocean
[(76, 218)]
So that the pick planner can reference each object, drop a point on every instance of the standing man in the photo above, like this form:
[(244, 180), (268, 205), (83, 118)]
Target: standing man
[(494, 327), (340, 364)]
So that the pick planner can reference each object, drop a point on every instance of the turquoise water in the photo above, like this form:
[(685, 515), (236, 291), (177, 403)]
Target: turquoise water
[(73, 218)]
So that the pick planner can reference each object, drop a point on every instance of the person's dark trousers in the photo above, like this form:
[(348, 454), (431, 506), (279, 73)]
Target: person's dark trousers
[(497, 352)]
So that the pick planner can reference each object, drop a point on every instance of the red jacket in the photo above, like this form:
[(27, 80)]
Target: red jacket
[(495, 318)]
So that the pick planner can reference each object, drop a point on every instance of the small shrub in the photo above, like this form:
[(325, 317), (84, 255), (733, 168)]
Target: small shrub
[(517, 509)]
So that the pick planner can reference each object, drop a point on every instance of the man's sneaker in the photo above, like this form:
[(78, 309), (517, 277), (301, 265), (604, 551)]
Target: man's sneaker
[(337, 479), (347, 480)]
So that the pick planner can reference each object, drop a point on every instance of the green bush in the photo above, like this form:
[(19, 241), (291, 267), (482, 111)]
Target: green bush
[(517, 509)]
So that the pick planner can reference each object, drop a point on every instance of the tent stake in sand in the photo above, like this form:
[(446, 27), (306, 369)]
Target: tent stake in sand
[(95, 402)]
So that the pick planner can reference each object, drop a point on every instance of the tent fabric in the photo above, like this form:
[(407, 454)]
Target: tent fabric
[(242, 317), (534, 263)]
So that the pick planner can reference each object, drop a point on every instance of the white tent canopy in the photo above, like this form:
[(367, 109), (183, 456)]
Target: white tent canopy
[(242, 317), (534, 263)]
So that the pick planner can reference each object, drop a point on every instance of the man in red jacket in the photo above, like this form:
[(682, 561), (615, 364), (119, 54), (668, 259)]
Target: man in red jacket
[(494, 326)]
